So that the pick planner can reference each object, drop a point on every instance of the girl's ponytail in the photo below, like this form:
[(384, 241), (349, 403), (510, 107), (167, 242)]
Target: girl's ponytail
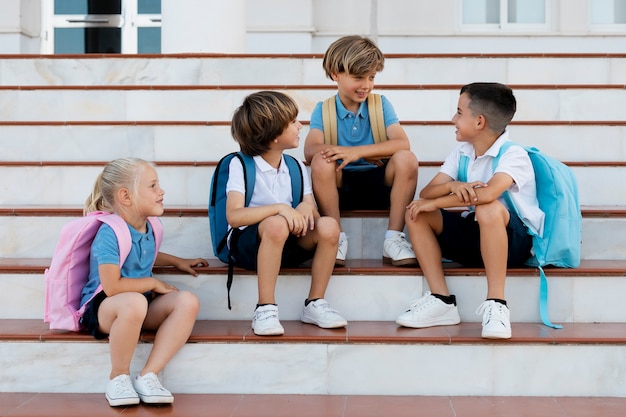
[(96, 201)]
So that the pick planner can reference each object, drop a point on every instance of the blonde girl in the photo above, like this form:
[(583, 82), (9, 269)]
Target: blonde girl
[(132, 299)]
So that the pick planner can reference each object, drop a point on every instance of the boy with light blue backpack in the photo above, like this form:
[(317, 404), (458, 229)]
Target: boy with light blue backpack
[(503, 225)]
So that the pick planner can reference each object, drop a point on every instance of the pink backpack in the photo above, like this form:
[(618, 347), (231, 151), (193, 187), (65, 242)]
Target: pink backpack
[(69, 269)]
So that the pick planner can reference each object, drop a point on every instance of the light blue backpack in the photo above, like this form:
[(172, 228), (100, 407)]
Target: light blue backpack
[(557, 193)]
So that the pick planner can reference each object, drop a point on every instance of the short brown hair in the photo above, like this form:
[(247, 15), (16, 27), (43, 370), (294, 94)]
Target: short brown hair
[(261, 118), (354, 55)]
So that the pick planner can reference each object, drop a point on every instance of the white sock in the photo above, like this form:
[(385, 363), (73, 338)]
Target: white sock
[(391, 233)]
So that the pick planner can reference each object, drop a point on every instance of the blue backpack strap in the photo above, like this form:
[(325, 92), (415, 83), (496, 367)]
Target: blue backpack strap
[(295, 172), (249, 176), (543, 281)]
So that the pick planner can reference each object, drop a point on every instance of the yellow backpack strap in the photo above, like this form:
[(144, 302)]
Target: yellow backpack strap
[(329, 120), (377, 121)]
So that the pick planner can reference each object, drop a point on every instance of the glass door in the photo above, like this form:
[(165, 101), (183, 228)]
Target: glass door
[(102, 27)]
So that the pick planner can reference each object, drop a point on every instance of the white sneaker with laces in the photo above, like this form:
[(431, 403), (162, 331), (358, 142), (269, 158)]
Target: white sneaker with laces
[(320, 313), (265, 321), (496, 320), (398, 251), (151, 391), (429, 311), (342, 251), (120, 391)]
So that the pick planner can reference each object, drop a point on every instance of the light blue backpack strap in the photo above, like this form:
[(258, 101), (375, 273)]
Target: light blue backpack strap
[(543, 300), (463, 166), (543, 281)]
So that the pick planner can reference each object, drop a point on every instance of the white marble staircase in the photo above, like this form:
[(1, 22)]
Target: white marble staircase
[(61, 118)]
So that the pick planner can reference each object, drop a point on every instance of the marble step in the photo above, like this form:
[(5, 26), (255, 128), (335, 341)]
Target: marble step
[(367, 358), (216, 103), (305, 69), (363, 290), (191, 141)]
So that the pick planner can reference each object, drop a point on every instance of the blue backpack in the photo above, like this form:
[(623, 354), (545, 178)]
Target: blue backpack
[(557, 193), (220, 231)]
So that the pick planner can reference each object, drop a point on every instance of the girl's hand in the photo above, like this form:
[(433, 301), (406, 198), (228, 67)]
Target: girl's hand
[(187, 265), (162, 287)]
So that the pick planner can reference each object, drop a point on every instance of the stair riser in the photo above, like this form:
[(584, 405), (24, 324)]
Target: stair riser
[(303, 71), (335, 369), (218, 104), (370, 298), (36, 237), (208, 143)]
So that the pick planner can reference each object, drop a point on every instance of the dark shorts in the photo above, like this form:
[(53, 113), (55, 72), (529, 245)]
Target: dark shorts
[(245, 244), (90, 317), (460, 240), (365, 190)]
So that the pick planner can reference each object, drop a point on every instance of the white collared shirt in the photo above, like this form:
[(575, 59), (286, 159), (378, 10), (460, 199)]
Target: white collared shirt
[(272, 185), (515, 163)]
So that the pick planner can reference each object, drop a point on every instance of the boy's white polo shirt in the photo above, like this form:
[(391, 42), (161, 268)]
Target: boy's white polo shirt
[(515, 162), (272, 185)]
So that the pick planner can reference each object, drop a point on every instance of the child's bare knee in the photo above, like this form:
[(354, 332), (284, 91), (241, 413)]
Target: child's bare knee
[(274, 228)]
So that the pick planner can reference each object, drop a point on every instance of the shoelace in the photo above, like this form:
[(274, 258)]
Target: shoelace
[(420, 303), (123, 386), (153, 383), (495, 311)]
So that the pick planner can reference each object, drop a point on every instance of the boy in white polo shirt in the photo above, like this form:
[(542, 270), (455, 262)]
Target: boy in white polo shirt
[(489, 234), (269, 232)]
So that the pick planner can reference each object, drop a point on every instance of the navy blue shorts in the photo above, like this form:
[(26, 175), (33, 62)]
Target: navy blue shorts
[(245, 244), (365, 190), (90, 318), (460, 240)]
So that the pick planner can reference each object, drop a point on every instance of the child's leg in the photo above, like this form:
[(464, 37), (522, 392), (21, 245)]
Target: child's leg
[(121, 317), (172, 315), (493, 219), (323, 238), (423, 233), (401, 176), (324, 179), (273, 233)]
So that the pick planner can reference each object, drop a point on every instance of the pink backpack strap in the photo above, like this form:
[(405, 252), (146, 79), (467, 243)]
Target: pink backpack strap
[(157, 229)]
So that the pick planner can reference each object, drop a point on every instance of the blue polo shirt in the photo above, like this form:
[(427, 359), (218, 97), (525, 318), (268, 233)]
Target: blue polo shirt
[(354, 129), (105, 250)]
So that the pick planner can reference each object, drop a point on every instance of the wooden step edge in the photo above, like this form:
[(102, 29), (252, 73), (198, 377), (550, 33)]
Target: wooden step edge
[(382, 332), (288, 87), (202, 211), (587, 267)]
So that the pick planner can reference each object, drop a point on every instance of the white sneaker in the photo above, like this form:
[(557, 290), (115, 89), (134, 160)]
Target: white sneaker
[(398, 251), (342, 251), (265, 321), (320, 313), (496, 320), (120, 391), (429, 311), (151, 391)]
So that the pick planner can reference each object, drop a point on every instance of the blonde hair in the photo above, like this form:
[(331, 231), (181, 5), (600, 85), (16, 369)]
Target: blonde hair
[(354, 55), (119, 173)]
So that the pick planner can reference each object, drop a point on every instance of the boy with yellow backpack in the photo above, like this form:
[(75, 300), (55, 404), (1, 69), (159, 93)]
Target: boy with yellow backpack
[(359, 154)]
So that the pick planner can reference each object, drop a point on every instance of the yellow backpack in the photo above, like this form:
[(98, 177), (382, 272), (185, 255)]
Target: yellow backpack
[(375, 110)]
